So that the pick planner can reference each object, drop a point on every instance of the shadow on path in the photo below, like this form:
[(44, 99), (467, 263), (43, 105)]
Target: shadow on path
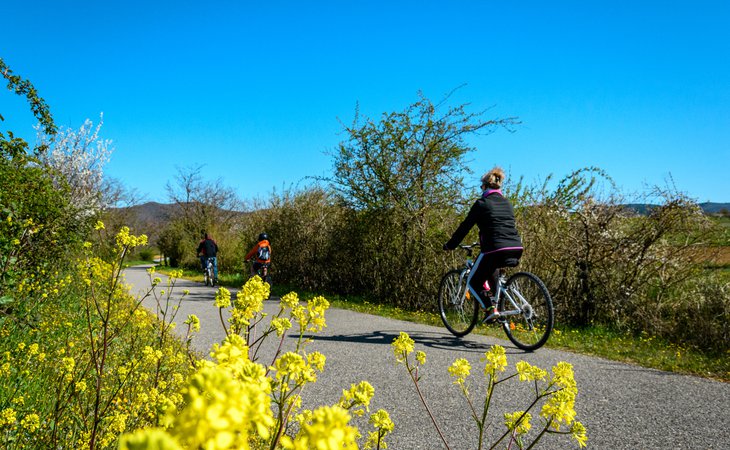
[(427, 339)]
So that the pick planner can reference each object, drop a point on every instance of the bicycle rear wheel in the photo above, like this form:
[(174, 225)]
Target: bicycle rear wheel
[(209, 280), (531, 328), (457, 307)]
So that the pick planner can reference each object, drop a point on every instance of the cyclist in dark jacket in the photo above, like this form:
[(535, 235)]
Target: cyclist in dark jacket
[(500, 243), (207, 248)]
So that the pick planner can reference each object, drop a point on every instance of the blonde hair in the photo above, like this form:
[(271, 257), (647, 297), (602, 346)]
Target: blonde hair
[(494, 178)]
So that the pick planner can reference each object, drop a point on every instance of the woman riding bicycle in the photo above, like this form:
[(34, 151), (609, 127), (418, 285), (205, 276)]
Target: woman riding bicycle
[(499, 240)]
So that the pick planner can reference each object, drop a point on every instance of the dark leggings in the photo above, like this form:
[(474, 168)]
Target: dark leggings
[(486, 268)]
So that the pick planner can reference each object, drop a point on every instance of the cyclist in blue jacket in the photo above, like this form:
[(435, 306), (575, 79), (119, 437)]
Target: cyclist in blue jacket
[(499, 240)]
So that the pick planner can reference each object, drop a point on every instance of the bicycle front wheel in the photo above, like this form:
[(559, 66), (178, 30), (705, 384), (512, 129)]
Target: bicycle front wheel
[(459, 311), (530, 327)]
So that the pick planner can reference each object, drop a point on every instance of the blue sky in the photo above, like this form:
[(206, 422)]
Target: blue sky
[(639, 89)]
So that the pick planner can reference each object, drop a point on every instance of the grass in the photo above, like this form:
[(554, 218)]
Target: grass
[(642, 350)]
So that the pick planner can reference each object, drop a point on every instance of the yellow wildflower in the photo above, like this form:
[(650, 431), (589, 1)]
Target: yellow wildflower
[(194, 322), (289, 300), (578, 432), (528, 372), (358, 395), (223, 298), (460, 369), (327, 429), (316, 360), (521, 427), (280, 324), (148, 439), (560, 408), (403, 345), (31, 422), (496, 360), (7, 417)]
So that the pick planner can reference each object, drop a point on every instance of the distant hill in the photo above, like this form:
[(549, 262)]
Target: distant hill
[(707, 207), (714, 208), (151, 212)]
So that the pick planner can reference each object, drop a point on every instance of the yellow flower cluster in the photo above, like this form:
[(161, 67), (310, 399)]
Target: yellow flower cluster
[(126, 240), (290, 300), (327, 428), (280, 324), (357, 397), (193, 322), (460, 369), (380, 420), (249, 302), (7, 417), (222, 298), (496, 360), (528, 372), (310, 318), (518, 422), (221, 410), (560, 407), (402, 346)]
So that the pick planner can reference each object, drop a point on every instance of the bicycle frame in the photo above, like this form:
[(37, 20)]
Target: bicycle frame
[(501, 291), (517, 309)]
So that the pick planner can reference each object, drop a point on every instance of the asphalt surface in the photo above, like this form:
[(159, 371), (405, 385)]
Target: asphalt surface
[(622, 406)]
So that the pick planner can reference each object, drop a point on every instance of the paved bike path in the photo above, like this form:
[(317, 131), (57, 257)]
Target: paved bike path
[(623, 406)]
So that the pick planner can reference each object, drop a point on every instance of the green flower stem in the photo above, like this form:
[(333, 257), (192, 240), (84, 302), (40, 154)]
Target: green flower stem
[(539, 436), (423, 400), (532, 405), (223, 322), (276, 355)]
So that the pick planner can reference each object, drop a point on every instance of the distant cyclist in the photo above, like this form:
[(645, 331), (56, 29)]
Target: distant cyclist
[(499, 240), (262, 252), (208, 249)]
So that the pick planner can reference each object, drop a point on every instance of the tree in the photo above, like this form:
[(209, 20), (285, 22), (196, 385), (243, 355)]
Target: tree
[(202, 205), (77, 159), (412, 160), (37, 230), (403, 174), (13, 146)]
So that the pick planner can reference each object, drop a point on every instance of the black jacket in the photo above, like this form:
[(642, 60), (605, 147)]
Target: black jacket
[(208, 247), (494, 216)]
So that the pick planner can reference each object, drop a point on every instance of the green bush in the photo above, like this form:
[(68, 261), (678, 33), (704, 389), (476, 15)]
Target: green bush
[(146, 254)]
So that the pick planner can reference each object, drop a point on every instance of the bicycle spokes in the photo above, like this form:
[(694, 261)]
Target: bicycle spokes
[(459, 311), (528, 311)]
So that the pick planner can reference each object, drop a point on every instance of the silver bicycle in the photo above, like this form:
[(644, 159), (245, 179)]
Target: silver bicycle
[(523, 301), (209, 272)]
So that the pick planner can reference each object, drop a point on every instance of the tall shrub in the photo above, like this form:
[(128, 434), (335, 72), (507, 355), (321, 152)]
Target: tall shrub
[(605, 263), (401, 176)]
